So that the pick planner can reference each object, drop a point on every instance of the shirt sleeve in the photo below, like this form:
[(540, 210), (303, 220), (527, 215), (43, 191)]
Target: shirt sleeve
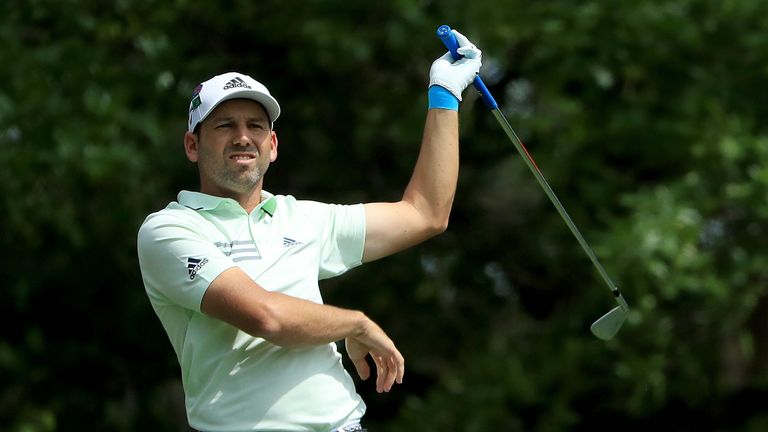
[(341, 234), (342, 237), (177, 261)]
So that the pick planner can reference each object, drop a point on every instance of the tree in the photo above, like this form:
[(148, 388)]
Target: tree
[(644, 116)]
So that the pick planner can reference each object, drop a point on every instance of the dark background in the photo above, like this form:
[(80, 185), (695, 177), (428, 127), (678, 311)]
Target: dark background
[(647, 117)]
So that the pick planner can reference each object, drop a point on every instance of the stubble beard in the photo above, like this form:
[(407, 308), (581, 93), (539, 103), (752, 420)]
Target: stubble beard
[(238, 180)]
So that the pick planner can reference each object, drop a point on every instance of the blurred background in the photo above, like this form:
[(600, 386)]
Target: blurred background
[(647, 117)]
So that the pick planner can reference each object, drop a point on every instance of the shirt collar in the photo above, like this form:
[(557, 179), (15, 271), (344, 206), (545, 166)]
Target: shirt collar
[(268, 203), (200, 201)]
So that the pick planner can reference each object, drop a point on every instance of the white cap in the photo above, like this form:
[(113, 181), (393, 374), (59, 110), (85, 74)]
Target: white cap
[(231, 85)]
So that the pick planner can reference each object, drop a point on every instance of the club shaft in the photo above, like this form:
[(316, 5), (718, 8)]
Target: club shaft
[(556, 202)]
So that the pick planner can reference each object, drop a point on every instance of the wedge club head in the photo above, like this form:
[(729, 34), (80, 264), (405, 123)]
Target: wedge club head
[(608, 325)]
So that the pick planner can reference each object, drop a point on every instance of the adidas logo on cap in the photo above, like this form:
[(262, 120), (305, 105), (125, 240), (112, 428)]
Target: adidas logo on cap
[(237, 82), (231, 85)]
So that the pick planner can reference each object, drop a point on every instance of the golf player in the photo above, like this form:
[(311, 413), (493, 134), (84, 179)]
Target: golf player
[(232, 271)]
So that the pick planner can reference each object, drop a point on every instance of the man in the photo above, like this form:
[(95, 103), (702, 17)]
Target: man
[(232, 271)]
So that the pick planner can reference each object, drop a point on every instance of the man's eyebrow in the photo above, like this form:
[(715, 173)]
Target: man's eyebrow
[(223, 117)]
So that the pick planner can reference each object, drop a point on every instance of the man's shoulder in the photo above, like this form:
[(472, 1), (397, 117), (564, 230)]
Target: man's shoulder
[(310, 204), (305, 208), (173, 211), (174, 214), (319, 213)]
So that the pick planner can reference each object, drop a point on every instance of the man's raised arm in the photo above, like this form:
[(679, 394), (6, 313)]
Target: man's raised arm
[(426, 204)]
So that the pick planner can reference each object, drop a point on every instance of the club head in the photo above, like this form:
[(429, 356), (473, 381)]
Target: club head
[(608, 325)]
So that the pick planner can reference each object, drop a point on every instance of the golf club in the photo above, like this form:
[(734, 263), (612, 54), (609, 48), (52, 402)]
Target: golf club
[(608, 325)]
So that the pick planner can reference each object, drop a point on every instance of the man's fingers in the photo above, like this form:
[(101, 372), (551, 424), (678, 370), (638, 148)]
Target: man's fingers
[(461, 40), (363, 370), (389, 371), (400, 368), (391, 374), (381, 373), (390, 365)]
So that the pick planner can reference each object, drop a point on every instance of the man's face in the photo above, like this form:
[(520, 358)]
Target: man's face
[(233, 149)]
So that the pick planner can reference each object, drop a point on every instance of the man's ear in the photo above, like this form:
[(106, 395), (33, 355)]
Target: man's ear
[(273, 148), (190, 146)]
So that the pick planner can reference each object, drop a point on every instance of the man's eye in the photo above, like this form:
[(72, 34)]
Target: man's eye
[(257, 126), (223, 126)]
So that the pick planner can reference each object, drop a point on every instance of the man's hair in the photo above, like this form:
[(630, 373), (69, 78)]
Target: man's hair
[(196, 131)]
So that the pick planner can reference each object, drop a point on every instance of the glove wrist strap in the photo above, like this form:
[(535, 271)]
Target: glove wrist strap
[(439, 97)]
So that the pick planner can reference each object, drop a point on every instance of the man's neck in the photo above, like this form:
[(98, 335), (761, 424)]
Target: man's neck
[(248, 201), (251, 201)]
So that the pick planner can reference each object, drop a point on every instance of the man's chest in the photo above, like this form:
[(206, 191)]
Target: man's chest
[(284, 252)]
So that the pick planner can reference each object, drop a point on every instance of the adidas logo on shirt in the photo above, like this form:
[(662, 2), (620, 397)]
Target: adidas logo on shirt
[(236, 82), (194, 265), (288, 242)]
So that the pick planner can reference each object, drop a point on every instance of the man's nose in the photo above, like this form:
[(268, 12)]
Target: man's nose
[(241, 137)]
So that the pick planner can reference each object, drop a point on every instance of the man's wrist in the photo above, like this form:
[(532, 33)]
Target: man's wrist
[(440, 97)]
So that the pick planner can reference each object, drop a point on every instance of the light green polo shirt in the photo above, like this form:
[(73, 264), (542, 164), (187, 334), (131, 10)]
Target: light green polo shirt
[(232, 380)]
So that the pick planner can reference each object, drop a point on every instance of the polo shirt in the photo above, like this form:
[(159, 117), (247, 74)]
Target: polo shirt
[(234, 381)]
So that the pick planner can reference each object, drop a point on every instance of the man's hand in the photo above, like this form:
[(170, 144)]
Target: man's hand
[(390, 365), (455, 76)]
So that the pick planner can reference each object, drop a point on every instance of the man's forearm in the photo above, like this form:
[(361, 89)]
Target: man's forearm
[(426, 204), (433, 184), (284, 320), (292, 321)]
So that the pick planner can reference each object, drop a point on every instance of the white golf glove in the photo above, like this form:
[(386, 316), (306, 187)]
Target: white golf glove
[(455, 76)]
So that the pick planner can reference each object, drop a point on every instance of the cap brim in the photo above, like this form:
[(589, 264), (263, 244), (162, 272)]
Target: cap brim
[(268, 102)]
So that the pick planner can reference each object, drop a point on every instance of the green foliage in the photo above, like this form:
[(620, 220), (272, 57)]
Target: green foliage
[(645, 116)]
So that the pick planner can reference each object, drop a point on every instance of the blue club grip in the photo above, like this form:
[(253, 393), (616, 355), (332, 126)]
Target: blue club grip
[(449, 40)]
